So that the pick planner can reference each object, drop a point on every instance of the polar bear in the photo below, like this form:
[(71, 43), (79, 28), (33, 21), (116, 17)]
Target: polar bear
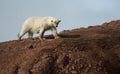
[(39, 25)]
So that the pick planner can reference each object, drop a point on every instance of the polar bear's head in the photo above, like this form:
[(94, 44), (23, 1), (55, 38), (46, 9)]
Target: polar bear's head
[(53, 21)]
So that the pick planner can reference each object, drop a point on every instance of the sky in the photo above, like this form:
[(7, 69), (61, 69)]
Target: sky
[(73, 13)]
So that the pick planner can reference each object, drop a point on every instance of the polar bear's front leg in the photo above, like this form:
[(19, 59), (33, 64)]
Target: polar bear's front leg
[(54, 32)]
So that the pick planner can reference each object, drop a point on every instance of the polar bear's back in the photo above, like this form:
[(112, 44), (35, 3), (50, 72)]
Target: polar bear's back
[(32, 21), (35, 22), (37, 19)]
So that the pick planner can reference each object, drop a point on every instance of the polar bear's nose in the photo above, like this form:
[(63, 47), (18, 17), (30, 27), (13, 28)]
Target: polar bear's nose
[(57, 22), (57, 25)]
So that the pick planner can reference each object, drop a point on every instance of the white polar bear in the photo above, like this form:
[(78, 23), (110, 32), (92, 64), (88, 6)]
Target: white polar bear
[(39, 25)]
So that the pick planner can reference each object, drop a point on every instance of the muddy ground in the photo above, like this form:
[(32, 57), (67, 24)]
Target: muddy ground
[(92, 50)]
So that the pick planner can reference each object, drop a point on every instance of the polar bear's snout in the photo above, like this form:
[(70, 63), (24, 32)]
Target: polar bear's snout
[(57, 22)]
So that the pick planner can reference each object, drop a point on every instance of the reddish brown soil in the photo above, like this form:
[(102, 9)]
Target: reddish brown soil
[(92, 50)]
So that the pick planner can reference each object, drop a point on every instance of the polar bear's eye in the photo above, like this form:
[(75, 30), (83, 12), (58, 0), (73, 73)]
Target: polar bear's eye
[(51, 20)]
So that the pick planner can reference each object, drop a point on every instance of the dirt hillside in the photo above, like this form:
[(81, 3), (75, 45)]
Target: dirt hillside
[(92, 50)]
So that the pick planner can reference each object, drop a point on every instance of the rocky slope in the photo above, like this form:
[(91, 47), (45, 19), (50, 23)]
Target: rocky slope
[(92, 50)]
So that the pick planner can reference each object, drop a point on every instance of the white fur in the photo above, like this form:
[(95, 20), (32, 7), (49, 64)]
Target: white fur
[(39, 25)]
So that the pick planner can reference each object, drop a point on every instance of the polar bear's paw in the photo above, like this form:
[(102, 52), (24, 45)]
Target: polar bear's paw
[(57, 37)]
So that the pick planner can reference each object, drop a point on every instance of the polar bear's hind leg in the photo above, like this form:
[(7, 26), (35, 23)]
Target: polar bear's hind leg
[(19, 38), (41, 33), (30, 34), (23, 32)]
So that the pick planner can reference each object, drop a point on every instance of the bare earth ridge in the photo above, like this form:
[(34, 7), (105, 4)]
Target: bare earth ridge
[(92, 50)]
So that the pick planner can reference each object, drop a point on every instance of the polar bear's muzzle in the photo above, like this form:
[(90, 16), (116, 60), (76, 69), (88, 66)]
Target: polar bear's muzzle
[(57, 22)]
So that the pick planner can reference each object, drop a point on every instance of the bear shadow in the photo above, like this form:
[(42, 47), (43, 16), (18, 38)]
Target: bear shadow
[(62, 36)]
